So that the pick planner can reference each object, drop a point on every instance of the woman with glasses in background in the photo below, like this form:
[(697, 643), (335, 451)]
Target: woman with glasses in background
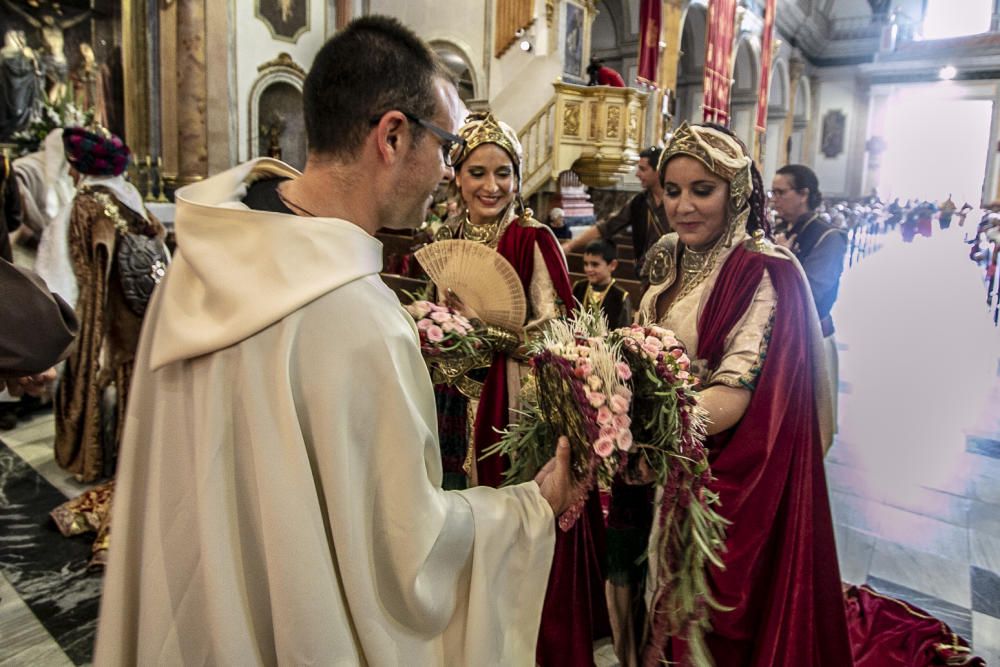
[(819, 246), (488, 178)]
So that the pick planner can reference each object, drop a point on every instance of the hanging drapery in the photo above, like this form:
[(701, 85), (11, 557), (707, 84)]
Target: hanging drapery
[(767, 40), (512, 15), (649, 41), (718, 54)]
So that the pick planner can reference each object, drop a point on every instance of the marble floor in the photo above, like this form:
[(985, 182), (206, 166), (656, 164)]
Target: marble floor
[(914, 476)]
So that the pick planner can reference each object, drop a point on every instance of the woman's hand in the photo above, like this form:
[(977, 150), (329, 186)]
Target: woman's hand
[(640, 475), (453, 301)]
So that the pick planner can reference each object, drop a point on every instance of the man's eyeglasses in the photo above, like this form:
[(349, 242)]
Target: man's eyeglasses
[(452, 145), (781, 192)]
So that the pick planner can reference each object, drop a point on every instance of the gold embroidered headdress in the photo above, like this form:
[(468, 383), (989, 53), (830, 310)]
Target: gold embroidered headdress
[(482, 127), (721, 154)]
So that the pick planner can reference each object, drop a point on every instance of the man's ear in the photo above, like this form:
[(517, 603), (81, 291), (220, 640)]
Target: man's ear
[(389, 135), (612, 265)]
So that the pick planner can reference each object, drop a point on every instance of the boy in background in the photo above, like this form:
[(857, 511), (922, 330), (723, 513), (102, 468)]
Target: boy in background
[(599, 291)]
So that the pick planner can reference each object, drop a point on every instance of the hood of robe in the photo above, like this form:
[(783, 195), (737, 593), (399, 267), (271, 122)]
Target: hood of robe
[(238, 271)]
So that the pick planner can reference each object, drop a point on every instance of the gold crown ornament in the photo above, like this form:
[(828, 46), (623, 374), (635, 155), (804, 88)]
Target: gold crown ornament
[(482, 127), (721, 154)]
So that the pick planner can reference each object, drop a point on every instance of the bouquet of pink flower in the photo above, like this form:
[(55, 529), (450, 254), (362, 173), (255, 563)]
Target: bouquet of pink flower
[(443, 332), (578, 391), (669, 430)]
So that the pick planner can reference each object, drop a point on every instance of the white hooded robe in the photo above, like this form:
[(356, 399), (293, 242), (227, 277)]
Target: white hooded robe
[(278, 497)]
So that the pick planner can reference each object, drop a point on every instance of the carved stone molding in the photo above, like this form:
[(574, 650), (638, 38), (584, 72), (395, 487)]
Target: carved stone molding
[(280, 70), (283, 60)]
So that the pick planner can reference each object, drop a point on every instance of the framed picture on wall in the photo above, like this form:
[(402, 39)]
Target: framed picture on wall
[(832, 143), (573, 44), (286, 19)]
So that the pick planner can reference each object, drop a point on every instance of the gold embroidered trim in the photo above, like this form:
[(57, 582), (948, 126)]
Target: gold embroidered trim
[(110, 210)]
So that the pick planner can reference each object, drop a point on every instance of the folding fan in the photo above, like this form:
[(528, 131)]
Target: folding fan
[(480, 277)]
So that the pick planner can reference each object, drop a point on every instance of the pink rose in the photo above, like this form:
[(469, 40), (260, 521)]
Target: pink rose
[(652, 350), (625, 393), (604, 416), (608, 432), (583, 370), (419, 309), (424, 324), (654, 342), (448, 327), (619, 405), (625, 440), (438, 316), (596, 399), (620, 422), (604, 447), (659, 332), (435, 308), (624, 372), (683, 375), (435, 334)]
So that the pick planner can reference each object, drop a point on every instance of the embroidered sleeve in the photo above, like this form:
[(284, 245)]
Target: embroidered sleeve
[(543, 302), (746, 345)]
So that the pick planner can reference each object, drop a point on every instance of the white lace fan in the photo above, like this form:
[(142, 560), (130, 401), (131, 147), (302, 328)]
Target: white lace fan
[(481, 278)]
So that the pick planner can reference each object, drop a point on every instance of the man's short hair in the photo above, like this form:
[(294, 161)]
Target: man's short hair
[(605, 249), (372, 66), (652, 155)]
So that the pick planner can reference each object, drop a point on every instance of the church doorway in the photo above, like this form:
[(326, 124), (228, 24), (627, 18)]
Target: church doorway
[(951, 153)]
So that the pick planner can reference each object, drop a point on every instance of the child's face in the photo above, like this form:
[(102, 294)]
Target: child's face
[(598, 271)]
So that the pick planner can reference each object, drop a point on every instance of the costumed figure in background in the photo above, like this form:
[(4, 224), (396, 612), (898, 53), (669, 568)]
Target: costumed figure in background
[(947, 210), (89, 85), (819, 246), (118, 257), (20, 84), (487, 175), (45, 186), (47, 191), (54, 64)]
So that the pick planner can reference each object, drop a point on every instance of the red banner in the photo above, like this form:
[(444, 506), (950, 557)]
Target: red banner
[(649, 42), (718, 53), (765, 65)]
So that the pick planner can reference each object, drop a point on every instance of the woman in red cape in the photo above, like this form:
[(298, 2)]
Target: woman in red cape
[(487, 177), (743, 309)]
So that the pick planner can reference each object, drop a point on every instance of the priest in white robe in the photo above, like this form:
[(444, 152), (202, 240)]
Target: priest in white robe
[(279, 487)]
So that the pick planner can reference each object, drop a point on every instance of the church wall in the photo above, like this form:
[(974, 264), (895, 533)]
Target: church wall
[(839, 90), (254, 45)]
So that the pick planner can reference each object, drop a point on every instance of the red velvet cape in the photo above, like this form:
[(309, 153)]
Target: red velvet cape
[(781, 577), (575, 612)]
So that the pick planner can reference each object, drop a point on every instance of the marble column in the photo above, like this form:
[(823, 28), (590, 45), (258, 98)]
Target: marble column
[(135, 69), (192, 93), (796, 67), (671, 17), (343, 13)]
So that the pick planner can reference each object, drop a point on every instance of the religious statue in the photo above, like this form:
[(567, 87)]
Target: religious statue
[(88, 85), (54, 63), (273, 130), (20, 84)]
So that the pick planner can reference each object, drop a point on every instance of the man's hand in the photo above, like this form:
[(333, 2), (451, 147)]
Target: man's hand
[(32, 385), (785, 241), (556, 480), (453, 301)]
